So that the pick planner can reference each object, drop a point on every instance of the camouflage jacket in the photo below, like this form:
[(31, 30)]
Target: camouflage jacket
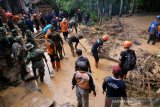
[(36, 57)]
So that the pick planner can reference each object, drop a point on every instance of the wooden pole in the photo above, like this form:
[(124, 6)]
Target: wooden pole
[(149, 91)]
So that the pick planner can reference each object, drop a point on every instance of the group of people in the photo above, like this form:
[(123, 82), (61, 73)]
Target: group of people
[(113, 86), (23, 51)]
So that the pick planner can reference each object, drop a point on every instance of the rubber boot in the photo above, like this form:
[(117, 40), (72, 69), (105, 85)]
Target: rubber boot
[(53, 65), (72, 50), (58, 66)]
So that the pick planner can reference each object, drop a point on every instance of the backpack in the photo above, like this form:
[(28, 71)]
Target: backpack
[(130, 60)]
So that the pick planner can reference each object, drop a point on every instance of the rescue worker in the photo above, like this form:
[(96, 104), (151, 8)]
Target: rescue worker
[(19, 55), (55, 22), (30, 24), (10, 23), (72, 23), (153, 30), (81, 58), (114, 88), (84, 85), (86, 19), (74, 39), (127, 59), (36, 22), (30, 38), (56, 38), (36, 57), (5, 47), (96, 48), (48, 18), (12, 39), (79, 14), (64, 28), (42, 20), (23, 26), (52, 52)]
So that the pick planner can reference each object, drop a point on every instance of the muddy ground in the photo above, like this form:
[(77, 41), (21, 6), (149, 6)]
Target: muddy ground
[(58, 89)]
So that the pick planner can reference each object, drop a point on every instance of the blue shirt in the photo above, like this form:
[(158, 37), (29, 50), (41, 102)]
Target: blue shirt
[(153, 27), (114, 87)]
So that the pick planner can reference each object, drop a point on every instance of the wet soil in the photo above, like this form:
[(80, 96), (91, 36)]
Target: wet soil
[(58, 89)]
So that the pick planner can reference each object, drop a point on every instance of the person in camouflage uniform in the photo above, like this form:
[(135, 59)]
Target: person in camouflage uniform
[(36, 56), (19, 54), (5, 47), (23, 26), (12, 38), (30, 38)]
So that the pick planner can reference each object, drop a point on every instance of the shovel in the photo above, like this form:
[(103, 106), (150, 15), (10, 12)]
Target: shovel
[(64, 53), (50, 72)]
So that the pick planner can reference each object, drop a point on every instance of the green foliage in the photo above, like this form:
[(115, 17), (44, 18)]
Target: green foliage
[(93, 16)]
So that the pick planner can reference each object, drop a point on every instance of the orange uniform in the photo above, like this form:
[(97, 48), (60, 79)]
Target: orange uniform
[(48, 32), (64, 26), (51, 49)]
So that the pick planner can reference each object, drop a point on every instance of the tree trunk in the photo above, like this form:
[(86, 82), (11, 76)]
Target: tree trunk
[(121, 8)]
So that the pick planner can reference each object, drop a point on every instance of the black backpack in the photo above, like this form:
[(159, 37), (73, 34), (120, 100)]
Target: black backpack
[(130, 60)]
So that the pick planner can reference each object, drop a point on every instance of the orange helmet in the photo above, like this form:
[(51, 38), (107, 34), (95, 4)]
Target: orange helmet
[(105, 37), (127, 44), (57, 18)]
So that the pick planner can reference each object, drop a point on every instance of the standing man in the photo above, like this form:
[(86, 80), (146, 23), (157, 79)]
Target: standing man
[(79, 14), (153, 30), (12, 39), (74, 39), (19, 55), (84, 85), (36, 57), (10, 23), (72, 23), (23, 26), (5, 47), (30, 38), (96, 48), (81, 58), (36, 22), (56, 38), (52, 52), (30, 24), (64, 28), (127, 59), (114, 89)]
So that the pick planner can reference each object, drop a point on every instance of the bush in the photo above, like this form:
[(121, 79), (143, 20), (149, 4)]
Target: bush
[(94, 16)]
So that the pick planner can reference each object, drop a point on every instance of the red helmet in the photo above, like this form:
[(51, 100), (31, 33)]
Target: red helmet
[(105, 37), (127, 44)]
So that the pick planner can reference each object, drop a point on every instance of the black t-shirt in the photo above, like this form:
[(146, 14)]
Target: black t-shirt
[(98, 44), (73, 39), (114, 87)]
